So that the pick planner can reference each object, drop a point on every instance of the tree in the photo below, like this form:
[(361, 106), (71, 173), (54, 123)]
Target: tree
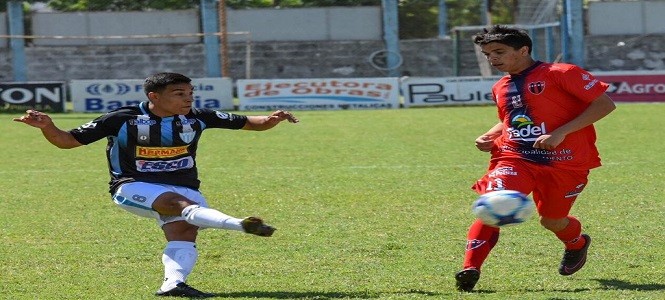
[(3, 4), (418, 19), (121, 5)]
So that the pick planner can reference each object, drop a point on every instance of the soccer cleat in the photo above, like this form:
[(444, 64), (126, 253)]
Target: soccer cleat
[(574, 260), (466, 279), (254, 225), (184, 290)]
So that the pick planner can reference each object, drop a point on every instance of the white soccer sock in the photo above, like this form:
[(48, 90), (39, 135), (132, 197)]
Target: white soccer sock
[(210, 218), (179, 258)]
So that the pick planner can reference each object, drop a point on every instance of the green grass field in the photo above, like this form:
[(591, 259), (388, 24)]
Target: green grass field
[(369, 205)]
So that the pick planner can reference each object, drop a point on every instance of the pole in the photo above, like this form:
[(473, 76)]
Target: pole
[(391, 36), (210, 40), (443, 19), (224, 38), (17, 44), (575, 30), (485, 14)]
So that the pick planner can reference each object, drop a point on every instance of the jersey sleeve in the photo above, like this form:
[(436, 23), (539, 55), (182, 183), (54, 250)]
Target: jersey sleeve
[(220, 119), (94, 130), (581, 83)]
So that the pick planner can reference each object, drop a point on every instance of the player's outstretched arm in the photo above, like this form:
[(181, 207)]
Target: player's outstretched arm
[(60, 138), (260, 123)]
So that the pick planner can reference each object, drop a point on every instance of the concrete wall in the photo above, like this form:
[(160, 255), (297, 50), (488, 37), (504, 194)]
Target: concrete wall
[(629, 17), (322, 59), (303, 24), (82, 24), (308, 24), (626, 52)]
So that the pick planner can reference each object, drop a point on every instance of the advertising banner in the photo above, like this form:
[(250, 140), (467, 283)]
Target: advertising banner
[(448, 91), (318, 94), (107, 95), (634, 86), (42, 96)]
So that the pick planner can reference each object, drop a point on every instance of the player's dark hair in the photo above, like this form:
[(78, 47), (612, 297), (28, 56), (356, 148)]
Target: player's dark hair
[(513, 37), (158, 82)]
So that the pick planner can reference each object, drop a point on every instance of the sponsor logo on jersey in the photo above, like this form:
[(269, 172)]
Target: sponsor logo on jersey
[(186, 122), (590, 84), (160, 152), (503, 171), (522, 128), (516, 101), (137, 122), (587, 77), (164, 165), (222, 115), (536, 87), (574, 193), (89, 125)]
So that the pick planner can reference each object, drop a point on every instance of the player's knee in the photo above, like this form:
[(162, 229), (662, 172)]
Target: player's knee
[(180, 231), (171, 204)]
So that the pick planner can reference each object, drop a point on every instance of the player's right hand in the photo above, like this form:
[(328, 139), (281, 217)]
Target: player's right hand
[(35, 119), (484, 143)]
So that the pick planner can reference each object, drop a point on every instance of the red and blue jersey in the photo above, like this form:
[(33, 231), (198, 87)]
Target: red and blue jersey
[(539, 100)]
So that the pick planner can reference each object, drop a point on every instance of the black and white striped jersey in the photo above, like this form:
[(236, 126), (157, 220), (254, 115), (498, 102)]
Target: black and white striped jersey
[(147, 148)]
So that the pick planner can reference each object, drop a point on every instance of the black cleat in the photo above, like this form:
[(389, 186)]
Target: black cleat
[(466, 279), (184, 290), (574, 260), (254, 225)]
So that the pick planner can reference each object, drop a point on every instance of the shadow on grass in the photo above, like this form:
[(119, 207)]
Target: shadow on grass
[(480, 291), (316, 295), (577, 290), (616, 284)]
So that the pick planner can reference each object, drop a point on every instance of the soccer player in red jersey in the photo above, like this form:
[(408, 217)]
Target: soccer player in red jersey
[(544, 144)]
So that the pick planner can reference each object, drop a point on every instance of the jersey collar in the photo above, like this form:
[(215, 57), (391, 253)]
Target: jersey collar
[(528, 70)]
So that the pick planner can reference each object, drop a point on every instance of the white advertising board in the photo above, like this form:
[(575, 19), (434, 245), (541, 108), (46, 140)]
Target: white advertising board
[(318, 94), (107, 95), (438, 91)]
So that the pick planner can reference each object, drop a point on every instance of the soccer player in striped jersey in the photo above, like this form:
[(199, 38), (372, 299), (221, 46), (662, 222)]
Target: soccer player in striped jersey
[(151, 156), (544, 144)]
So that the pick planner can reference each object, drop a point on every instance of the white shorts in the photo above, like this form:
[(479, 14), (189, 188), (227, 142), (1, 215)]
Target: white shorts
[(138, 197)]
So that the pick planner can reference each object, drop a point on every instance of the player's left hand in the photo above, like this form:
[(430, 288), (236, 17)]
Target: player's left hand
[(282, 115)]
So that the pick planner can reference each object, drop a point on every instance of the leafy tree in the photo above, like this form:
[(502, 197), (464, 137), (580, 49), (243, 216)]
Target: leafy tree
[(121, 5), (299, 3), (3, 4), (238, 4), (320, 3), (418, 19), (504, 11)]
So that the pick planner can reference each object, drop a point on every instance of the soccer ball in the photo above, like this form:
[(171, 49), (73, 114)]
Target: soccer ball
[(504, 207)]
